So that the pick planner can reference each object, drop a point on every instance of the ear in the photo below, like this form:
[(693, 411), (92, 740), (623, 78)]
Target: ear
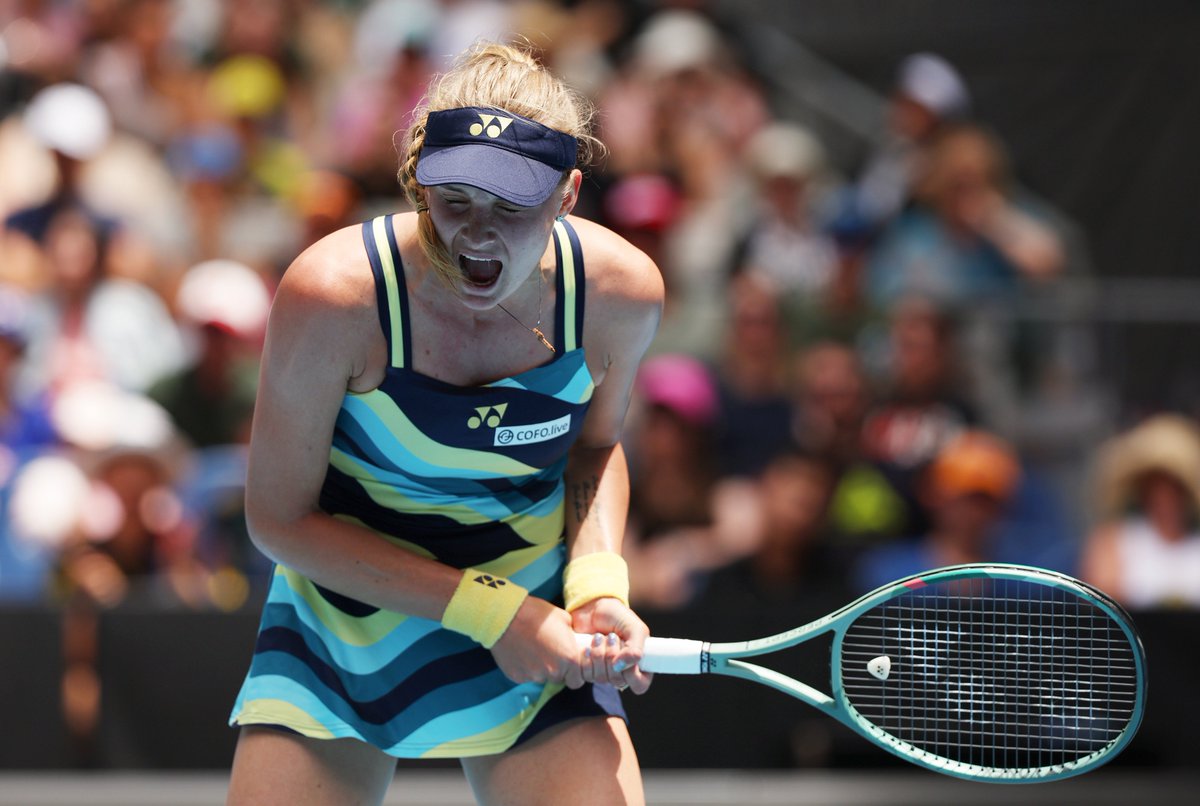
[(570, 194)]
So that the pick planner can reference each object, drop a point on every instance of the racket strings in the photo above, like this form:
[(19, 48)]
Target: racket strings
[(995, 673)]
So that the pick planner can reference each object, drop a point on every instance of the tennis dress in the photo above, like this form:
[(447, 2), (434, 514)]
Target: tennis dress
[(469, 476)]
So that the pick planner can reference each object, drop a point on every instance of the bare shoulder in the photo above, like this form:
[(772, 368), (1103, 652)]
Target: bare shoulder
[(329, 287), (326, 308), (332, 274), (617, 271), (624, 301)]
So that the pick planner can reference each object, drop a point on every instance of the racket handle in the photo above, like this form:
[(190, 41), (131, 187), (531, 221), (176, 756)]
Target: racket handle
[(665, 655)]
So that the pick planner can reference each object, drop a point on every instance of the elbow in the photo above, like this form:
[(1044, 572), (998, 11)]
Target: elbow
[(266, 534)]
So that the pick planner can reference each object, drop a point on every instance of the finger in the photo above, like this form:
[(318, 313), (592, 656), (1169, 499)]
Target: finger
[(573, 679), (631, 675), (596, 669), (639, 681), (612, 646), (630, 654)]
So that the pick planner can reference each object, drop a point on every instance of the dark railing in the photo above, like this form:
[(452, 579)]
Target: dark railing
[(168, 678)]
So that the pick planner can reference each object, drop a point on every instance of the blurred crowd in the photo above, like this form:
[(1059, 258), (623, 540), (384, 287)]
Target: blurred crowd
[(843, 390)]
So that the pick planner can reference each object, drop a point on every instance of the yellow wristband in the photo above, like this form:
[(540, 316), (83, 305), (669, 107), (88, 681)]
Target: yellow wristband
[(483, 606), (595, 576)]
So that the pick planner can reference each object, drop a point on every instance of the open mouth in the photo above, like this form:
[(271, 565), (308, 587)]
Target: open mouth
[(480, 272)]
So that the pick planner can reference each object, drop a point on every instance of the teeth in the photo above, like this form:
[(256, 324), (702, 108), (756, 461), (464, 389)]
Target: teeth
[(479, 270)]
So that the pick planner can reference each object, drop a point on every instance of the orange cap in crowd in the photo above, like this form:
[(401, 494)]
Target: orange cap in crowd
[(976, 462)]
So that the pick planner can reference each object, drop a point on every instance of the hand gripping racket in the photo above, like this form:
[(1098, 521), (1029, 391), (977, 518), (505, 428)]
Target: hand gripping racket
[(989, 672)]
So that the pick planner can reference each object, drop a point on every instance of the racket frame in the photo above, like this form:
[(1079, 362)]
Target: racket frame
[(727, 659)]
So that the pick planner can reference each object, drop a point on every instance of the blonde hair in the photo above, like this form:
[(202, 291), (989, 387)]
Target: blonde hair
[(503, 77)]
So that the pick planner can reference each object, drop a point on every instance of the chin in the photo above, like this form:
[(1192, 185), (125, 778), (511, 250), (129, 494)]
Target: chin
[(479, 298)]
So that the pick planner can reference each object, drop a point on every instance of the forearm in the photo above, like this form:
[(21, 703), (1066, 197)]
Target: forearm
[(597, 499), (356, 562), (1031, 246)]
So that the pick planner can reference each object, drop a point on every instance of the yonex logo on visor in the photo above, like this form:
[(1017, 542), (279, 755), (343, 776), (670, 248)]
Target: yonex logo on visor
[(509, 155), (494, 125)]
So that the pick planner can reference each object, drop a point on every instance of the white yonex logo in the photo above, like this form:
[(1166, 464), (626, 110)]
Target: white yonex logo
[(492, 125), (534, 432)]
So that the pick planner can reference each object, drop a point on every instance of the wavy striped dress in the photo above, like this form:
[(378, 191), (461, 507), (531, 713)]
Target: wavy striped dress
[(469, 476)]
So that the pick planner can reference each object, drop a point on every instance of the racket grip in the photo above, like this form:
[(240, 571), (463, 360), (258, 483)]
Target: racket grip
[(665, 655)]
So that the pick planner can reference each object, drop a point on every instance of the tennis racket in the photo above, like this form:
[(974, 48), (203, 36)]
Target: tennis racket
[(989, 672)]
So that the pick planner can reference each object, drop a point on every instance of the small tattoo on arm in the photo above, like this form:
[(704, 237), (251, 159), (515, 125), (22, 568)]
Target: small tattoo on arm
[(583, 495)]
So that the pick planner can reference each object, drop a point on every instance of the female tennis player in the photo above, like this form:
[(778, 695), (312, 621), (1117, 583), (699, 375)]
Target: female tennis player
[(435, 469)]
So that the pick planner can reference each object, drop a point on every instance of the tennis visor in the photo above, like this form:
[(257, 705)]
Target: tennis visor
[(511, 156)]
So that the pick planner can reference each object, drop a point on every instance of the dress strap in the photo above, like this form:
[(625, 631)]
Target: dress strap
[(380, 241), (568, 321)]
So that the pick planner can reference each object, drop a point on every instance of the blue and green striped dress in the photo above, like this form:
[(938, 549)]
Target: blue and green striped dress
[(469, 476)]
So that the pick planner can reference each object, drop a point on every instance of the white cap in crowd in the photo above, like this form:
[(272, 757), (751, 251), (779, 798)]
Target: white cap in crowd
[(933, 82), (71, 119)]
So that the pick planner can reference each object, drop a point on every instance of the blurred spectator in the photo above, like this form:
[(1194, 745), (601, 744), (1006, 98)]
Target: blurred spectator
[(224, 304), (784, 245), (671, 457), (793, 556), (687, 111), (921, 406), (752, 381), (1145, 551), (120, 534), (26, 431), (73, 124), (241, 157), (831, 397), (642, 208), (86, 326), (138, 66), (580, 39), (391, 68), (325, 201), (672, 473), (965, 240), (928, 93), (24, 421), (966, 490), (767, 546), (831, 401)]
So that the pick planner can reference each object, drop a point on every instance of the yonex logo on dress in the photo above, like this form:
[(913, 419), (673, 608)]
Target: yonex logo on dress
[(492, 125), (489, 415)]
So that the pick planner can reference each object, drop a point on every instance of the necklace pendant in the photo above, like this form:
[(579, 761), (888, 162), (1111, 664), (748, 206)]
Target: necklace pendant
[(542, 338)]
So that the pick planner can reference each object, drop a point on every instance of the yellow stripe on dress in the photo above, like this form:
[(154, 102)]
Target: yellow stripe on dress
[(497, 739), (268, 711), (531, 528), (379, 228), (568, 270), (392, 429), (360, 631)]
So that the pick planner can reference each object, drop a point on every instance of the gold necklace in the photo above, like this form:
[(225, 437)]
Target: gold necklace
[(536, 329)]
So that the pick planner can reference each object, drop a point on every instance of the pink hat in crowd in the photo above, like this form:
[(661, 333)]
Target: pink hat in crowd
[(681, 384)]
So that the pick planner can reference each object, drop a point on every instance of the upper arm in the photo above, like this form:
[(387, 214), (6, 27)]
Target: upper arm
[(314, 346), (625, 298)]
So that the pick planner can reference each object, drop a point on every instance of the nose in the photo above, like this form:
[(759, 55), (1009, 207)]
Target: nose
[(479, 225)]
